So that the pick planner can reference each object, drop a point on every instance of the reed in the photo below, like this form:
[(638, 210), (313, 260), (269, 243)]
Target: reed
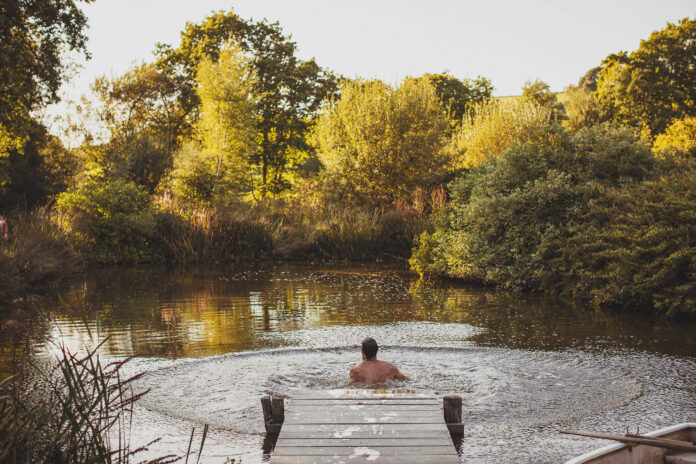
[(79, 410)]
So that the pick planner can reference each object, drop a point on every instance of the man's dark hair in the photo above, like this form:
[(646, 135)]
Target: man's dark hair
[(369, 347)]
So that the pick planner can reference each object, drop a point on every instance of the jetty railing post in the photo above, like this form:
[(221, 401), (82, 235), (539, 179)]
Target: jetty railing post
[(452, 407), (273, 414)]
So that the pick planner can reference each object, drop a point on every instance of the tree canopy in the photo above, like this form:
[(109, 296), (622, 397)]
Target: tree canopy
[(34, 36), (289, 91), (379, 143), (655, 84)]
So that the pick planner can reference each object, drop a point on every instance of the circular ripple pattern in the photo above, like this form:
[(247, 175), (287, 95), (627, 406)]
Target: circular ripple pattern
[(511, 388)]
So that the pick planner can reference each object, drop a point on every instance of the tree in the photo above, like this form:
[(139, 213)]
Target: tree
[(288, 91), (143, 123), (488, 129), (34, 36), (377, 144), (655, 84), (458, 95), (539, 93), (226, 130)]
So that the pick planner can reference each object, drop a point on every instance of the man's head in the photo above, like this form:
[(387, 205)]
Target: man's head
[(369, 348)]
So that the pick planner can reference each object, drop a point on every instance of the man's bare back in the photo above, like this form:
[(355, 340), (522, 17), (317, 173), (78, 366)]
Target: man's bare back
[(374, 371), (371, 370)]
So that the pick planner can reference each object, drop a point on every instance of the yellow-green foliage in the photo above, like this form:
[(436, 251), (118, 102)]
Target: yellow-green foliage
[(490, 127), (678, 141), (226, 130), (379, 143), (581, 109)]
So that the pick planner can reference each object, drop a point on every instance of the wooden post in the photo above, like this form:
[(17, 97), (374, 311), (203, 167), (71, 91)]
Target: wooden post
[(452, 406), (273, 414), (278, 410)]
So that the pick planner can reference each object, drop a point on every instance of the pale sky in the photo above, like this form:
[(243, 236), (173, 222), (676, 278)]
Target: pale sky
[(507, 41)]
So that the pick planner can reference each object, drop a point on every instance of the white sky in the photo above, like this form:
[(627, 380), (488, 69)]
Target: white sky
[(507, 41)]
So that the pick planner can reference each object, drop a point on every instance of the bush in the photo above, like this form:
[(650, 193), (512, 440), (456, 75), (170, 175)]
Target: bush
[(632, 247), (490, 127), (507, 217), (110, 222)]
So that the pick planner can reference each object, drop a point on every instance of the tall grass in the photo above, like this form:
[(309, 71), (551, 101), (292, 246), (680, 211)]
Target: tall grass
[(210, 236), (37, 254)]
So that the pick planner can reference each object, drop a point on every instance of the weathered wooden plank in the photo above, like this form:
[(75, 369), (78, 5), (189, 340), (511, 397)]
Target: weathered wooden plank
[(370, 401), (358, 394), (438, 440), (364, 430), (368, 451), (395, 459), (373, 407), (359, 426), (364, 415)]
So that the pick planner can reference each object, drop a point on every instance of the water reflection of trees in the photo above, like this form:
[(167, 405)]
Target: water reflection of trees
[(199, 313)]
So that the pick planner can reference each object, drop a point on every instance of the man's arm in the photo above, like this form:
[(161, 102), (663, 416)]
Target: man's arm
[(354, 375), (395, 373)]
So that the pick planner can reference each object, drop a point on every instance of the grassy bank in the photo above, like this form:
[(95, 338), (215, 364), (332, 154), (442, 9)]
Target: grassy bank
[(46, 246)]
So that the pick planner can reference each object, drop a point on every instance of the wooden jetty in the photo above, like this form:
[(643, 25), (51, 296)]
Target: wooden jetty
[(363, 427)]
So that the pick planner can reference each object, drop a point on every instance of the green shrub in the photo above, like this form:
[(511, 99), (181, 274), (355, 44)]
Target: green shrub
[(110, 222), (510, 219), (631, 247)]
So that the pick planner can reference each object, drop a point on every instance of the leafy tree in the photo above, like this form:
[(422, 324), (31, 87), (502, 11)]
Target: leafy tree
[(504, 212), (34, 36), (143, 122), (36, 171), (655, 84), (458, 95), (678, 141), (288, 91), (539, 93), (378, 143), (226, 130)]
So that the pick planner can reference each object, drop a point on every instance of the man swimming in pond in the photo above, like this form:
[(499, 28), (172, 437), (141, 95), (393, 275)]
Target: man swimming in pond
[(371, 370)]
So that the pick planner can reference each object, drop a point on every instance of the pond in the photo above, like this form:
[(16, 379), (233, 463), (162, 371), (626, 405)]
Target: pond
[(213, 341)]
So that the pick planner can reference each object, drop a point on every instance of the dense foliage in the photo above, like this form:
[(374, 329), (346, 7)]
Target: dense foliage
[(678, 141), (110, 222), (586, 218), (34, 36), (288, 91), (655, 84), (378, 143), (488, 128)]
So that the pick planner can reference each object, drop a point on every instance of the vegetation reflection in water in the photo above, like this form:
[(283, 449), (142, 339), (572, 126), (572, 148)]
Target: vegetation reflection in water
[(525, 366), (188, 313)]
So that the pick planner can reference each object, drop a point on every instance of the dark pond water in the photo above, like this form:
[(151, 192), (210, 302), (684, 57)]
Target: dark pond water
[(214, 341)]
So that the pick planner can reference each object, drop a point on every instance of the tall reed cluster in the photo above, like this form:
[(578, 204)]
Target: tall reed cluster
[(79, 410)]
